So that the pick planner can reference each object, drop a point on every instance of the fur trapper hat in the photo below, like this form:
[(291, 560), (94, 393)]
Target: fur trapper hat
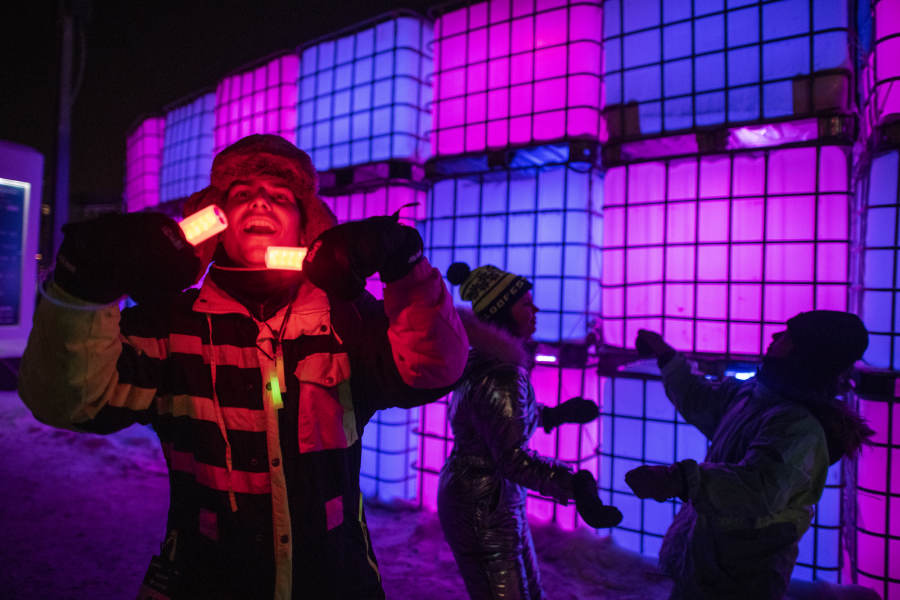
[(266, 155)]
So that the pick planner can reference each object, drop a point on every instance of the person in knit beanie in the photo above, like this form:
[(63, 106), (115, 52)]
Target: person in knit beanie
[(772, 439), (493, 414), (259, 383)]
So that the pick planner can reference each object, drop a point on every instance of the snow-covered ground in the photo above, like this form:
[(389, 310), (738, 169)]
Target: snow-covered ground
[(81, 515)]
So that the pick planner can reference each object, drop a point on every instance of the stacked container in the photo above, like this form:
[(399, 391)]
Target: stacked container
[(509, 76), (187, 147), (143, 158), (363, 118), (726, 212)]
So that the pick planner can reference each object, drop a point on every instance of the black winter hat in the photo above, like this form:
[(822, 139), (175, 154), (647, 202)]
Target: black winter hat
[(829, 339)]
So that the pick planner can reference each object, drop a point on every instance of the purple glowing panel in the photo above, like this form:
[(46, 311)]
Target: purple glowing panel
[(878, 525), (259, 100), (678, 65), (511, 73), (379, 201), (575, 444), (387, 468), (717, 252), (772, 134), (365, 97), (143, 155), (188, 148), (879, 197), (880, 77)]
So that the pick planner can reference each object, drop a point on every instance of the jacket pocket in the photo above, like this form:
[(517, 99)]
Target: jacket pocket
[(326, 418), (324, 368)]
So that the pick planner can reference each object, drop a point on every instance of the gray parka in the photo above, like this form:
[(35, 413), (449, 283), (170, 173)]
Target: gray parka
[(481, 499), (750, 501)]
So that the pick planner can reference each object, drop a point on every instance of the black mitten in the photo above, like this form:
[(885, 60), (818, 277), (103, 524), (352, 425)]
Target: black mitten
[(144, 255), (573, 410), (341, 258), (659, 483), (589, 505)]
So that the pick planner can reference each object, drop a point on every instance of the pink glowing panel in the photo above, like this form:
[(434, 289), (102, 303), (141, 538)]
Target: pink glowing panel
[(263, 99), (879, 496), (516, 73), (143, 159), (717, 252), (376, 202), (885, 65)]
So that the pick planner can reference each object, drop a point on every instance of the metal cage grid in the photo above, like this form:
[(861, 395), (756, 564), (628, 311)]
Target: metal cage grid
[(878, 274), (516, 72), (537, 218), (258, 99), (880, 70), (716, 252), (877, 560), (188, 148), (641, 426), (143, 155), (673, 65), (365, 95)]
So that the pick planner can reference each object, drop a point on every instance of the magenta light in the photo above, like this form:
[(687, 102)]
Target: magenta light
[(880, 74), (717, 252), (143, 160), (261, 100), (516, 73), (772, 134)]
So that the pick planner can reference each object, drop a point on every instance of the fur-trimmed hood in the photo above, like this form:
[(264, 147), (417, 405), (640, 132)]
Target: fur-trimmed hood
[(493, 342)]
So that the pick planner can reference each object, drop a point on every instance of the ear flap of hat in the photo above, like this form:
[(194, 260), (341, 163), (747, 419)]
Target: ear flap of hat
[(318, 218)]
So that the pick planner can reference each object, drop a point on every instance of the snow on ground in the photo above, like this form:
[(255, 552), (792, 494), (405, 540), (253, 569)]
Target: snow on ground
[(81, 515)]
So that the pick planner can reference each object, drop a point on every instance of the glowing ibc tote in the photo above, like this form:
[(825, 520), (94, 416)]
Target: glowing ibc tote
[(258, 99), (365, 93), (516, 72), (680, 64), (716, 252), (880, 76), (188, 148), (143, 155)]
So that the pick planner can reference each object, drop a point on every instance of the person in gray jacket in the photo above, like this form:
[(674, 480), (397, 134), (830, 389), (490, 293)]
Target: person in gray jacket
[(493, 414), (747, 505)]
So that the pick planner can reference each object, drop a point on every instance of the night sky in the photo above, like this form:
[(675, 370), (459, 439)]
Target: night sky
[(142, 55)]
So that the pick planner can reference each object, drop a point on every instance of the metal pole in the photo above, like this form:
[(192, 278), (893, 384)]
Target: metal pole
[(64, 133)]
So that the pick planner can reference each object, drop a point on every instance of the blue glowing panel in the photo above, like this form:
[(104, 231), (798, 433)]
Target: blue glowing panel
[(389, 449), (669, 66), (879, 193), (187, 148), (543, 223), (365, 97)]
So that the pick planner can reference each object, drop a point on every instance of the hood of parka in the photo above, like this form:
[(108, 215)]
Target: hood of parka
[(491, 342)]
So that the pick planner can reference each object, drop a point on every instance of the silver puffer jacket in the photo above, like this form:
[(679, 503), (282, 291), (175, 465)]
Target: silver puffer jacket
[(481, 500)]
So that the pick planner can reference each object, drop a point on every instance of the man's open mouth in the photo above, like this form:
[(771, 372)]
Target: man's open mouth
[(259, 227)]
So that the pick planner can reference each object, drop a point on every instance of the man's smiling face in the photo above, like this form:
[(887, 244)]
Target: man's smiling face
[(262, 212)]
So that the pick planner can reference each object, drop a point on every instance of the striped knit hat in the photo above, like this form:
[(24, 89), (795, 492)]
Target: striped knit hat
[(491, 291)]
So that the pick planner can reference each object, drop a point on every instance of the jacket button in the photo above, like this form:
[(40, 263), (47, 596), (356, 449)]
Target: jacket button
[(329, 380), (249, 386), (259, 538), (284, 539), (254, 462), (275, 462), (324, 328)]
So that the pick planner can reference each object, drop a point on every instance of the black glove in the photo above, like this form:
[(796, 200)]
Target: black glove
[(341, 258), (589, 505), (650, 343), (659, 483), (573, 410), (143, 255)]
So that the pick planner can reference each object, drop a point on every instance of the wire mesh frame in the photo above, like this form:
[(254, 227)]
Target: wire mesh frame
[(719, 335), (555, 205), (372, 111), (143, 155), (575, 445), (877, 259), (877, 527), (489, 106), (879, 78), (830, 90), (259, 98), (187, 152), (646, 521)]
